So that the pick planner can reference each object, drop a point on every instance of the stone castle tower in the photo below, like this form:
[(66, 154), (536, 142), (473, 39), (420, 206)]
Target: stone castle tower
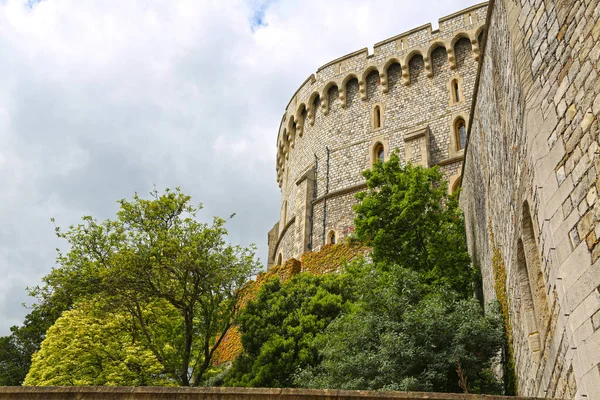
[(413, 95), (511, 90)]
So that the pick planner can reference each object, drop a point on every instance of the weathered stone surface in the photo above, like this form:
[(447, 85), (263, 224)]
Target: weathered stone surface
[(528, 66)]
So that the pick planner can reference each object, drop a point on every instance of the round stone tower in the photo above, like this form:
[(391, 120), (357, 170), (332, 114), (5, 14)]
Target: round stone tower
[(412, 95)]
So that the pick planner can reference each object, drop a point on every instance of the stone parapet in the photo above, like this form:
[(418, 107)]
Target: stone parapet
[(218, 393)]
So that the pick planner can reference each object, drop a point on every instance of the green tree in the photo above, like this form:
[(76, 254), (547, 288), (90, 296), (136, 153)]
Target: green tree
[(90, 346), (157, 250), (408, 218), (17, 349), (280, 326), (404, 335)]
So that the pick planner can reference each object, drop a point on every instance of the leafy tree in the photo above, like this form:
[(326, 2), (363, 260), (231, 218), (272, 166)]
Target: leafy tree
[(157, 251), (280, 326), (402, 335), (409, 219), (17, 349), (90, 346)]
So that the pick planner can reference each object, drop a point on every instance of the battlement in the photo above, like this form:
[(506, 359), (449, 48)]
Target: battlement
[(400, 49)]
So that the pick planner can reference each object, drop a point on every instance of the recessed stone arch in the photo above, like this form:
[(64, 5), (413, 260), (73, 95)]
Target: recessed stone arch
[(328, 95), (454, 149), (384, 74), (370, 71), (406, 65), (372, 84), (332, 237), (454, 183), (439, 58), (462, 49), (532, 287), (377, 116), (291, 129), (325, 103), (416, 66), (343, 88), (479, 33), (455, 87), (352, 91), (313, 106)]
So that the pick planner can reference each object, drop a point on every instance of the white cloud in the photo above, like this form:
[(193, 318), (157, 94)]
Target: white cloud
[(101, 98)]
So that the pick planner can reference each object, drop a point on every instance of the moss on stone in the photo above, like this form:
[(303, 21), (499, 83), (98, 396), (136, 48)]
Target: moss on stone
[(499, 269)]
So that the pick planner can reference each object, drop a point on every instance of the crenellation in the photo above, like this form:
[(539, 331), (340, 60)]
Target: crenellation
[(400, 48)]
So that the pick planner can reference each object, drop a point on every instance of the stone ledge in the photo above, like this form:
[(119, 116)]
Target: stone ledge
[(339, 192), (416, 133), (219, 393), (451, 160)]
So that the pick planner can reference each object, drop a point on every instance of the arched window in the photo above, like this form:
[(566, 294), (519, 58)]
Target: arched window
[(456, 185), (376, 117), (455, 91), (460, 129), (331, 237), (379, 153), (279, 259)]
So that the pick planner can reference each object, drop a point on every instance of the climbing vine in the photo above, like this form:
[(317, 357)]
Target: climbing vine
[(500, 277)]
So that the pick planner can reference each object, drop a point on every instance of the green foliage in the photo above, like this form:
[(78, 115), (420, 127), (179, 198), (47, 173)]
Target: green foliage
[(90, 346), (17, 349), (408, 218), (156, 251), (280, 326), (402, 335), (406, 321)]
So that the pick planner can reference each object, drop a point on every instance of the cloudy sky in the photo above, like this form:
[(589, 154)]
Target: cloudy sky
[(102, 98)]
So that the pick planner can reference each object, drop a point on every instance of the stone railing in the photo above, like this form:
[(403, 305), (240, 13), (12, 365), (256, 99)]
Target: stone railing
[(182, 393)]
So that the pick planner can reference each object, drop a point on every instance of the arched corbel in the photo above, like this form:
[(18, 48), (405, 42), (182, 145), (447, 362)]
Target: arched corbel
[(405, 73), (428, 66), (324, 107), (451, 57), (299, 118), (342, 95), (383, 76), (362, 88), (299, 125), (475, 48), (311, 113)]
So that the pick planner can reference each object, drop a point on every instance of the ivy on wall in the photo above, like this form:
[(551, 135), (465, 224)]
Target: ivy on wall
[(329, 259), (500, 277)]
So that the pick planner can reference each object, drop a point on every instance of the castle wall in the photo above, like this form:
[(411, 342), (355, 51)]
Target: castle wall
[(530, 188), (329, 132)]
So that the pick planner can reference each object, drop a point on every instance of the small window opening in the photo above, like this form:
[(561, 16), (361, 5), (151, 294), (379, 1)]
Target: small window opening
[(332, 237), (377, 117), (461, 133), (470, 19), (279, 259), (402, 44), (455, 91), (379, 153)]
